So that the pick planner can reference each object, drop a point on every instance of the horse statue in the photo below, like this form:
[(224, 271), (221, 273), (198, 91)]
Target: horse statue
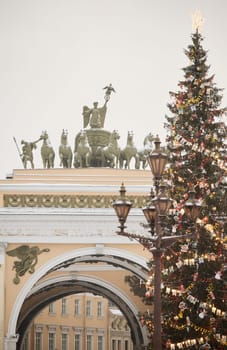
[(147, 148), (47, 151), (129, 152), (82, 151), (65, 151), (110, 154)]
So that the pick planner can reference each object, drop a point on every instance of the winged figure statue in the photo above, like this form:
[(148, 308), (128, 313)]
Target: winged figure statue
[(28, 258)]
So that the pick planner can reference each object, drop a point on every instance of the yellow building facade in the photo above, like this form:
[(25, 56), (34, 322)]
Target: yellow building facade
[(58, 239), (76, 322)]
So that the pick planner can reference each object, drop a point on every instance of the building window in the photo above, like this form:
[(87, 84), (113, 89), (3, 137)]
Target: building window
[(25, 343), (89, 342), (38, 341), (64, 306), (64, 342), (100, 309), (77, 342), (100, 342), (77, 307), (114, 345), (88, 308), (51, 341), (51, 308)]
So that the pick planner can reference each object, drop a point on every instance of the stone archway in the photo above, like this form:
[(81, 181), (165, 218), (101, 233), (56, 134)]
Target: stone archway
[(69, 284), (64, 286)]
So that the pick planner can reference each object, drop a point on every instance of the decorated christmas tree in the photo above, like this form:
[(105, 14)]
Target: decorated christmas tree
[(194, 284)]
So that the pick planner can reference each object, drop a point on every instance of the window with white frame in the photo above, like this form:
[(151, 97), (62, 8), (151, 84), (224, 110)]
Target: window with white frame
[(88, 308), (64, 341), (51, 308), (38, 341), (64, 310), (89, 342), (77, 342), (114, 344), (51, 341), (100, 342), (99, 309), (77, 307)]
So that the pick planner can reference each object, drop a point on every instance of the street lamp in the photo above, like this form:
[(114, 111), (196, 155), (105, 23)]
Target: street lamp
[(155, 213), (122, 208), (157, 161)]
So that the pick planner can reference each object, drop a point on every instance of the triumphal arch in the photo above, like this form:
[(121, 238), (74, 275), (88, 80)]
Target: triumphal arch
[(58, 227)]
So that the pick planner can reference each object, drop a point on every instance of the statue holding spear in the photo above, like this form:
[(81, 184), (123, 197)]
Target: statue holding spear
[(27, 152)]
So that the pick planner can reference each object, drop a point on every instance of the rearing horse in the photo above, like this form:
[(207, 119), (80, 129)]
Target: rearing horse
[(111, 153), (129, 152), (65, 151), (47, 151)]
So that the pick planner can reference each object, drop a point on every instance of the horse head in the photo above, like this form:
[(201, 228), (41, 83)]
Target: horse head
[(44, 136), (130, 138), (83, 138), (64, 137), (148, 141), (115, 135)]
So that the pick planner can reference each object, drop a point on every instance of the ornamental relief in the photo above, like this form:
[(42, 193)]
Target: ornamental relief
[(67, 201), (27, 258)]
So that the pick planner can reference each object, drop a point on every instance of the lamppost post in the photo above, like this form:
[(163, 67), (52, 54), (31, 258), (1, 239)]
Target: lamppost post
[(155, 213), (157, 335)]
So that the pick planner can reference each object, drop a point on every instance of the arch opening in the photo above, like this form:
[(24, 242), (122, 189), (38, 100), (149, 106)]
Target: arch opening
[(60, 289)]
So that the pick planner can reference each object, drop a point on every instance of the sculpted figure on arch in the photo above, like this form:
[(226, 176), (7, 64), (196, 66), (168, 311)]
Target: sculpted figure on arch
[(27, 152), (95, 116)]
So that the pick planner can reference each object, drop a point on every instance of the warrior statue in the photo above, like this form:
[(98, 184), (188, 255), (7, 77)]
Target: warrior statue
[(95, 116), (27, 152)]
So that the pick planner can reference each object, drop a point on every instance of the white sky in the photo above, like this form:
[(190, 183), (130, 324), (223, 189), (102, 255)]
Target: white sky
[(57, 55)]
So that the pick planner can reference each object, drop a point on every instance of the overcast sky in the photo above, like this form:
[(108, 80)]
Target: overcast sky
[(57, 55)]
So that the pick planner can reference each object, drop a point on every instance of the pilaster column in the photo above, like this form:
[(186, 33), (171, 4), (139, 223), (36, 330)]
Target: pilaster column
[(11, 343), (2, 292)]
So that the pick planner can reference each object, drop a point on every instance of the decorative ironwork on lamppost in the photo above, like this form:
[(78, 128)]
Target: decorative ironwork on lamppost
[(156, 213)]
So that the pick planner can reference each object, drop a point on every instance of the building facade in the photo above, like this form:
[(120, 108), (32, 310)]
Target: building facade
[(58, 238), (77, 322)]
